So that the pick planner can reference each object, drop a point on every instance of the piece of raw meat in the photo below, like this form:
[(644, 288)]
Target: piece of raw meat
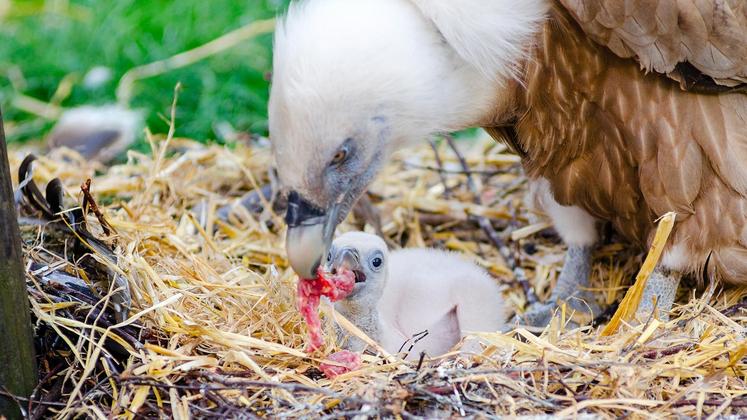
[(347, 360), (335, 286)]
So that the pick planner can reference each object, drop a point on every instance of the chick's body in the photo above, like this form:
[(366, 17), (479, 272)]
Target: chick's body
[(440, 292), (423, 290)]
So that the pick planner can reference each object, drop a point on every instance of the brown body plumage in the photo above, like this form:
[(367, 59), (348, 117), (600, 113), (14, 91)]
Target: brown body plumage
[(663, 35), (627, 145)]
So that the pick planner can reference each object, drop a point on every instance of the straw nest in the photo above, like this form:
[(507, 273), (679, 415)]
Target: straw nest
[(213, 330)]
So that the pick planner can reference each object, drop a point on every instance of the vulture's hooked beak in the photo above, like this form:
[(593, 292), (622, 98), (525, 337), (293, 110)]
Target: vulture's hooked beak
[(310, 231)]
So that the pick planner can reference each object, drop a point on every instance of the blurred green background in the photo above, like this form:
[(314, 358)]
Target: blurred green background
[(49, 44)]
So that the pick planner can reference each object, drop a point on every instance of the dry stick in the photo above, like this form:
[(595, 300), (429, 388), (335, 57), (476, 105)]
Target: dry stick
[(734, 309), (658, 353), (365, 211), (224, 42), (451, 171), (36, 107), (47, 378), (89, 202), (465, 167), (740, 403), (490, 232), (440, 169), (226, 384)]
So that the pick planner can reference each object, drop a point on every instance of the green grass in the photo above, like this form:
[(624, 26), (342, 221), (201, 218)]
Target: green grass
[(44, 42)]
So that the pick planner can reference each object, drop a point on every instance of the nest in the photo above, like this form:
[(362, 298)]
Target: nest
[(213, 329)]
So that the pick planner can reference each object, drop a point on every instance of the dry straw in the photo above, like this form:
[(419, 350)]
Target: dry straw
[(214, 331)]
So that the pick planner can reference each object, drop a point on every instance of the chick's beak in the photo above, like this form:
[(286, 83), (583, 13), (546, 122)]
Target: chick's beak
[(310, 231), (347, 259)]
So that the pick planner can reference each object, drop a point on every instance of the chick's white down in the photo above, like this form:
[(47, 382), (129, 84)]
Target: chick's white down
[(418, 290)]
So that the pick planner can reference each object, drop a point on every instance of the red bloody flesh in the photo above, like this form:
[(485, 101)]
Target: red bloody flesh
[(347, 361), (335, 287)]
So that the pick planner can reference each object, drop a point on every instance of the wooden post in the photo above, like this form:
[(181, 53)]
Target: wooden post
[(17, 361)]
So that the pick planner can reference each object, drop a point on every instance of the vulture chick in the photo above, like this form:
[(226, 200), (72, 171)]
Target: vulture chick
[(621, 111), (399, 296)]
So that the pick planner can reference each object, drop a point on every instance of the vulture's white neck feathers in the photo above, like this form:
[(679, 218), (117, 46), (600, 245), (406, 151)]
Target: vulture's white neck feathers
[(493, 36), (423, 65)]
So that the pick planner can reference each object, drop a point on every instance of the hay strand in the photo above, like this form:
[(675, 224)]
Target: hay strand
[(632, 298)]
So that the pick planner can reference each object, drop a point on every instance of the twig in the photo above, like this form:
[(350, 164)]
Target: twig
[(414, 339), (225, 384), (465, 167), (460, 405), (48, 377), (740, 403), (734, 309), (221, 383), (491, 233), (440, 169), (64, 293), (365, 211), (90, 202), (366, 413), (45, 110), (20, 400), (228, 409), (53, 395), (657, 353), (222, 43), (421, 359)]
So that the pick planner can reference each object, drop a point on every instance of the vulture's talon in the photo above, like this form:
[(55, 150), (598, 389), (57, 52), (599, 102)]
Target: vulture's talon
[(659, 294), (578, 312), (537, 315), (571, 289)]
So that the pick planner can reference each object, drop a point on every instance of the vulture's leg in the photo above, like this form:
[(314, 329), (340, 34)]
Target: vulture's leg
[(659, 294), (577, 228), (571, 289), (573, 283)]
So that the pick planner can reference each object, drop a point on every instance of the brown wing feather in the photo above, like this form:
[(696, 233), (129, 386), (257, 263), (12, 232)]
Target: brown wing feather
[(711, 35), (628, 147)]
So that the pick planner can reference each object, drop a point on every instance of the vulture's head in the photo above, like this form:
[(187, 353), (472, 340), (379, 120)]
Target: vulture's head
[(355, 79)]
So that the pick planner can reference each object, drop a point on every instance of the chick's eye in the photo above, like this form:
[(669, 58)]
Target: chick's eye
[(377, 262), (329, 256)]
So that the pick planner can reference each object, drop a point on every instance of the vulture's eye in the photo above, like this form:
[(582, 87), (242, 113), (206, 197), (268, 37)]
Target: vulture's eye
[(339, 157), (329, 256), (342, 154)]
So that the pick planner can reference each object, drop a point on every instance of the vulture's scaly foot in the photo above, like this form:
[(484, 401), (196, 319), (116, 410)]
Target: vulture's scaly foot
[(659, 293), (571, 289)]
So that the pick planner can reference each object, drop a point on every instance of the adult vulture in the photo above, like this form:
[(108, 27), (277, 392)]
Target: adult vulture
[(623, 110)]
